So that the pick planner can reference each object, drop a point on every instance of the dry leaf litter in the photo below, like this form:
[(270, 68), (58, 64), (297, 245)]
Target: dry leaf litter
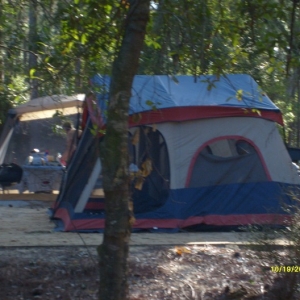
[(196, 272)]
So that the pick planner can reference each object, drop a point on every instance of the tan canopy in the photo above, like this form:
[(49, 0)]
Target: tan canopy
[(45, 107)]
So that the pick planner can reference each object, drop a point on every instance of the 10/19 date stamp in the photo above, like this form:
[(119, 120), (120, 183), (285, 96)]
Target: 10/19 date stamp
[(285, 269)]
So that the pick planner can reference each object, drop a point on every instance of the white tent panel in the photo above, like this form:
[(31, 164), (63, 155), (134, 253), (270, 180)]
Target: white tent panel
[(185, 139), (4, 146), (87, 191)]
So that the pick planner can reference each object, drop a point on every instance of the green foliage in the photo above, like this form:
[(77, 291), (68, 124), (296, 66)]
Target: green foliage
[(152, 105), (77, 39), (96, 131), (12, 94)]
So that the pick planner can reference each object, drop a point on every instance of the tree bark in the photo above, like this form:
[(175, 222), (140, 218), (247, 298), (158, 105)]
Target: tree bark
[(113, 252), (1, 54), (32, 63)]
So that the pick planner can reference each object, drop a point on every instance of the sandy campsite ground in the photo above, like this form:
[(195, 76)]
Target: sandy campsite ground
[(26, 223), (39, 263)]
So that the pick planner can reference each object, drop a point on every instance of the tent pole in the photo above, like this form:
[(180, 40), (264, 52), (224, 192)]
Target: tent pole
[(77, 124)]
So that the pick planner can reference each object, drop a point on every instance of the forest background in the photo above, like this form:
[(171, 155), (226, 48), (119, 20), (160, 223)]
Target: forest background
[(53, 47)]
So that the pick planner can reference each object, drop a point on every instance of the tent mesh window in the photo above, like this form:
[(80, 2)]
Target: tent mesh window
[(227, 161), (150, 155)]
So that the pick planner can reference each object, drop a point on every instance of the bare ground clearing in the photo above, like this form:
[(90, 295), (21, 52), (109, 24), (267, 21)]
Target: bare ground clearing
[(37, 263)]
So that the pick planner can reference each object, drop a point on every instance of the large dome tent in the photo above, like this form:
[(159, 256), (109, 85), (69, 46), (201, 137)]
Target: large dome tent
[(216, 157)]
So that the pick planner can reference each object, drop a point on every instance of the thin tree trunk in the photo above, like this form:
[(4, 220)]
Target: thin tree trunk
[(159, 61), (1, 51), (32, 63), (78, 86), (113, 252)]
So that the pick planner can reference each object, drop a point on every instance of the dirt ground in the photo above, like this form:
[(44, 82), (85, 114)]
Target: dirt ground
[(156, 272), (38, 263)]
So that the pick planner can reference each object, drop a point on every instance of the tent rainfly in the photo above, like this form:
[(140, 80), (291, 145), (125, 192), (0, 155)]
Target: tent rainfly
[(205, 151)]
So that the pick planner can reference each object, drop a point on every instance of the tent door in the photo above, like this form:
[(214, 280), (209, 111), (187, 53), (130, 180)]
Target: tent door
[(227, 161)]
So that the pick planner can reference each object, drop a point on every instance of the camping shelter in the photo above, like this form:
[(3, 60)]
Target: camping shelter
[(204, 150), (37, 109)]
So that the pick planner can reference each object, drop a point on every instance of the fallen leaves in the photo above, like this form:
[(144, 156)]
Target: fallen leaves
[(163, 273), (181, 250)]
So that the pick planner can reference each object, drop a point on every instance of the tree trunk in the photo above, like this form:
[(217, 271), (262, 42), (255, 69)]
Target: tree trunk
[(78, 85), (32, 63), (113, 252), (1, 54)]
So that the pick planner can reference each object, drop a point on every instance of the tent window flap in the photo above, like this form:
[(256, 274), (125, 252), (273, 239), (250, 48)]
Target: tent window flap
[(151, 147), (227, 161)]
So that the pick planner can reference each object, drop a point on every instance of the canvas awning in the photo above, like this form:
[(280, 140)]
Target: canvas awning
[(45, 107), (38, 108)]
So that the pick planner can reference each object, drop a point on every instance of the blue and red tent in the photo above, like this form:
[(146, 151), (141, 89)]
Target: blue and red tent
[(204, 150)]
